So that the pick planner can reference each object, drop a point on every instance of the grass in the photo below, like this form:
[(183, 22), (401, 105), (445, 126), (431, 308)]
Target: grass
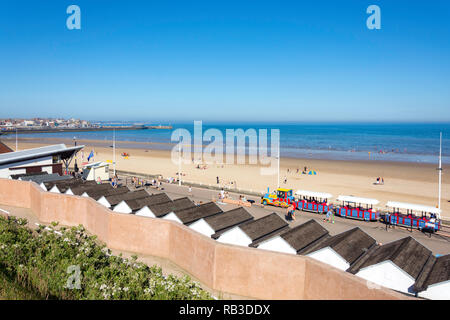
[(10, 290)]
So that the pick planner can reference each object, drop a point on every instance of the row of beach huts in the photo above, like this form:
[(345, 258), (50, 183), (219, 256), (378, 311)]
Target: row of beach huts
[(404, 265)]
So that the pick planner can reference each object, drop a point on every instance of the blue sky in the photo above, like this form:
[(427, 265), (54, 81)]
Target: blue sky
[(226, 60)]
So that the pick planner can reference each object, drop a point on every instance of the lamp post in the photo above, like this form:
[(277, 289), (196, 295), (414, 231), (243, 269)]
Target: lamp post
[(440, 171)]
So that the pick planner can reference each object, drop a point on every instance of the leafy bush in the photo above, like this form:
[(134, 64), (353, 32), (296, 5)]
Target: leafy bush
[(39, 260)]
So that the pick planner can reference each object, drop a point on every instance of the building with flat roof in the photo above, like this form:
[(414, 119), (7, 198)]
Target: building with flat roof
[(51, 159)]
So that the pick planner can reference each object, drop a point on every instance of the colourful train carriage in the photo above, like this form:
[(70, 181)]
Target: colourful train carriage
[(312, 201), (357, 208), (279, 198), (417, 216)]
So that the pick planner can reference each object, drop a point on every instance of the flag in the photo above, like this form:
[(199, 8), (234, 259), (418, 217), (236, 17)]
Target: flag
[(90, 155)]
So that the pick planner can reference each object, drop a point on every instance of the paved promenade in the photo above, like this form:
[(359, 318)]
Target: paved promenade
[(439, 244)]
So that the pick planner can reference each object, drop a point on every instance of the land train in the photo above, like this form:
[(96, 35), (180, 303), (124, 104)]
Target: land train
[(402, 214)]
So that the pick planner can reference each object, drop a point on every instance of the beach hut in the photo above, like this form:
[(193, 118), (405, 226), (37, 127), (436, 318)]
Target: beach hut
[(341, 250), (434, 282), (161, 209), (190, 215), (135, 204), (43, 178), (113, 200), (395, 265), (253, 232), (96, 194), (296, 239), (96, 170), (213, 226), (65, 186), (83, 189)]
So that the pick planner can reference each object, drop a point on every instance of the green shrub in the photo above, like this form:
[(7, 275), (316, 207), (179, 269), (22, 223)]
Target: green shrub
[(39, 260)]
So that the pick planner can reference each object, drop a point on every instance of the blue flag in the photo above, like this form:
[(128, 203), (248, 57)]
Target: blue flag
[(90, 155)]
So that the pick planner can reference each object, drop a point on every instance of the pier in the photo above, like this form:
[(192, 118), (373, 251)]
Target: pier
[(86, 129)]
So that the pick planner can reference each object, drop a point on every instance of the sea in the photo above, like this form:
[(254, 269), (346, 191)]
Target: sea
[(404, 142)]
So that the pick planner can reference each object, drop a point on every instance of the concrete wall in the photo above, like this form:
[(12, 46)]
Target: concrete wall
[(227, 268)]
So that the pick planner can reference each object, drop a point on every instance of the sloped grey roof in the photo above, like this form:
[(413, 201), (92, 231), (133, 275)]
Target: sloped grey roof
[(304, 235), (350, 245), (46, 178), (263, 227), (116, 199), (98, 193), (436, 270), (406, 253), (162, 209), (224, 221), (190, 215), (22, 175), (65, 184), (17, 156), (154, 199), (80, 189)]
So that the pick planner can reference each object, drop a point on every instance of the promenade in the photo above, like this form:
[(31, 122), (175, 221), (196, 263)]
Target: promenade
[(438, 243)]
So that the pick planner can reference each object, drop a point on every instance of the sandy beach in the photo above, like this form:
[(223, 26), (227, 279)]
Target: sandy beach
[(405, 182)]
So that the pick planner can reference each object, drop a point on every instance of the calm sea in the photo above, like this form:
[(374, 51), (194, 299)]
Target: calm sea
[(385, 142)]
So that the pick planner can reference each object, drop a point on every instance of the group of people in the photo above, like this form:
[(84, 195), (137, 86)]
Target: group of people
[(380, 180)]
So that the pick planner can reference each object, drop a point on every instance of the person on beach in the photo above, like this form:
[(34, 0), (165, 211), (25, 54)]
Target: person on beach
[(190, 190), (217, 178)]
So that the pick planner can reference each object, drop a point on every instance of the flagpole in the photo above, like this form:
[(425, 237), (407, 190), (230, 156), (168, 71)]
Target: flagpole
[(440, 170), (278, 181), (17, 146), (114, 152), (179, 164)]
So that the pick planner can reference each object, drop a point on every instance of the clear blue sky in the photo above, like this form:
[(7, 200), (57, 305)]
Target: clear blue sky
[(226, 60)]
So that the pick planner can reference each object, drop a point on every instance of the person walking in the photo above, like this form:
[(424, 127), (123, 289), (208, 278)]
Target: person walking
[(190, 190)]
